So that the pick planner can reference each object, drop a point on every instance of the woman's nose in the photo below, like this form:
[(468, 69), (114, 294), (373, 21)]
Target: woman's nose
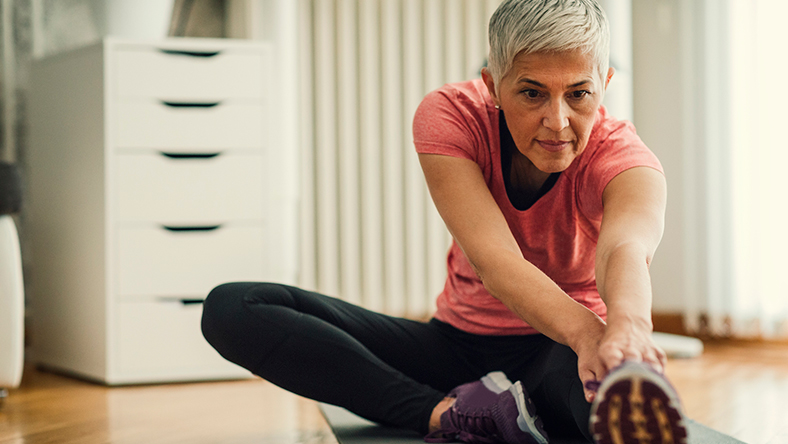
[(556, 116)]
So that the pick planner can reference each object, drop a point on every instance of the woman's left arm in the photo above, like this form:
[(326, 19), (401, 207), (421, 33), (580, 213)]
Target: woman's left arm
[(632, 226)]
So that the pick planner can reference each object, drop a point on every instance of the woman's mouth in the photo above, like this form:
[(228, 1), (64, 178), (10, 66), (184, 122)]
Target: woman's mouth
[(554, 146)]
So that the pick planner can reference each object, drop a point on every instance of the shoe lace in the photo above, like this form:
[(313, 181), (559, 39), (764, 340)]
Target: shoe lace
[(469, 427)]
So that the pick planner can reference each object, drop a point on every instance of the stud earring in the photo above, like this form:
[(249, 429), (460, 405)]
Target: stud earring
[(497, 106)]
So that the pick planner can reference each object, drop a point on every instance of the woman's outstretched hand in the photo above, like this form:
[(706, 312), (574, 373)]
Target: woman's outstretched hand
[(590, 366), (630, 342), (599, 352)]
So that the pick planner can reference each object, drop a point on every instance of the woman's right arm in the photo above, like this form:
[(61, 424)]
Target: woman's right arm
[(477, 224)]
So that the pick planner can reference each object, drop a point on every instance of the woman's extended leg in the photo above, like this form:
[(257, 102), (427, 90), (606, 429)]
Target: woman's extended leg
[(386, 369)]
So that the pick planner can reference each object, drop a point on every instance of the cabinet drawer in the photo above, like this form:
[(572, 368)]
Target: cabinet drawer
[(210, 125), (197, 74), (160, 341), (189, 189), (155, 261)]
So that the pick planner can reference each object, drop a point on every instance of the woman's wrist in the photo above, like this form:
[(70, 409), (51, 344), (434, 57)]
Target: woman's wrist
[(629, 321), (588, 332)]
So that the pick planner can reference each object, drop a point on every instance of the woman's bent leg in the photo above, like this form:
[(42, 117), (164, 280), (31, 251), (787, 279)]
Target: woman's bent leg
[(548, 372), (327, 350), (556, 389)]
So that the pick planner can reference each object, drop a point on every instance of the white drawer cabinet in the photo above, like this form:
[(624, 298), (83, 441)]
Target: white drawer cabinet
[(189, 126), (152, 180), (169, 325), (171, 189), (165, 261), (190, 73)]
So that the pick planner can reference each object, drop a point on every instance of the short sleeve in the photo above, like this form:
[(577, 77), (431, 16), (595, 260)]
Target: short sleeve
[(618, 150), (451, 123)]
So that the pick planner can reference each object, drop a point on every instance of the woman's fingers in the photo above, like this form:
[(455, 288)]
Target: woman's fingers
[(657, 358), (612, 354), (661, 355), (591, 370), (615, 349), (587, 376), (591, 381)]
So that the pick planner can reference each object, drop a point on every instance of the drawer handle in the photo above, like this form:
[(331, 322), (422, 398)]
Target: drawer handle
[(189, 155), (190, 53), (192, 228), (184, 301), (191, 301), (190, 104)]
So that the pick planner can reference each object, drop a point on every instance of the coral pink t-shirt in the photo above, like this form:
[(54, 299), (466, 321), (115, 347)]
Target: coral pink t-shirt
[(558, 233)]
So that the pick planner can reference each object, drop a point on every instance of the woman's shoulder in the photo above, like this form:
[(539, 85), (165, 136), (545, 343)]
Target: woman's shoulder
[(457, 119), (470, 94), (607, 125), (457, 105), (613, 147), (612, 138)]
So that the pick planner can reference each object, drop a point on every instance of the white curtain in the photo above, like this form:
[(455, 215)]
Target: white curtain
[(759, 157), (742, 147)]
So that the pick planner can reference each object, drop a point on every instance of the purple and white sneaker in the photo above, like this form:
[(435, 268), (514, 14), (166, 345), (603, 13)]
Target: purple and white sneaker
[(636, 404), (490, 410)]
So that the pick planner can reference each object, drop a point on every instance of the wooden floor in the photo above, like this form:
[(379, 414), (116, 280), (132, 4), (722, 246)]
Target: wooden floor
[(737, 388), (740, 389)]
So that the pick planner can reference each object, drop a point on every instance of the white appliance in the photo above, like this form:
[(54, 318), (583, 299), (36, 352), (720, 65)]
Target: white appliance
[(11, 305), (12, 298)]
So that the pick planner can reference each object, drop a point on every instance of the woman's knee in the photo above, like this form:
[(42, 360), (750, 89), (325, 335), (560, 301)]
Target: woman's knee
[(244, 320), (229, 325), (220, 310), (226, 308), (223, 301)]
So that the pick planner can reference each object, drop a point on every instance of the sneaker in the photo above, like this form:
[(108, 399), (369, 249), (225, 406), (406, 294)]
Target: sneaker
[(491, 410), (636, 404)]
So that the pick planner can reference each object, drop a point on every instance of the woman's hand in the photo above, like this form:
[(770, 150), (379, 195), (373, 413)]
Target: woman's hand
[(590, 366), (625, 341), (604, 349)]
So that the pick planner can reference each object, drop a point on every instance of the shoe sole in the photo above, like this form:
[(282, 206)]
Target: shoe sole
[(527, 421), (635, 405)]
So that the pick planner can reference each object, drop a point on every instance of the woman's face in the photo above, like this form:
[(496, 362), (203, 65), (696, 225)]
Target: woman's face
[(550, 102)]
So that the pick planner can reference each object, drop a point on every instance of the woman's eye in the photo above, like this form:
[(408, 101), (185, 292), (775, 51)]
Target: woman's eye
[(531, 93), (579, 94)]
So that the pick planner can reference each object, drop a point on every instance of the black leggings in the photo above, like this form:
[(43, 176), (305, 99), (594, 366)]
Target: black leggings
[(389, 370)]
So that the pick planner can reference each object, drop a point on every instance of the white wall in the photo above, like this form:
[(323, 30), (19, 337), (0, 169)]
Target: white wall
[(618, 97), (659, 82)]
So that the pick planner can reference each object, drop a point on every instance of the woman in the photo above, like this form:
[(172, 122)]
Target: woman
[(556, 209)]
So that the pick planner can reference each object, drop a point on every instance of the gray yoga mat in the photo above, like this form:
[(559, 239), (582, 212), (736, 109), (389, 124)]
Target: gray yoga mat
[(352, 429)]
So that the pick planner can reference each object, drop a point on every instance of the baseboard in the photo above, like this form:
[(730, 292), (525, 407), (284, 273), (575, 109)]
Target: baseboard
[(673, 323), (669, 323)]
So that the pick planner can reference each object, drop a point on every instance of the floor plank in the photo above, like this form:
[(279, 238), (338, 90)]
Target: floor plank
[(737, 388), (49, 408)]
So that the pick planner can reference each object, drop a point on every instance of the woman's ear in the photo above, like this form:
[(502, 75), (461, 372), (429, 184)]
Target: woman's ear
[(490, 83), (610, 73)]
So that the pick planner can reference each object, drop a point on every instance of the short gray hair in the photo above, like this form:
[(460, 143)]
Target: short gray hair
[(529, 26)]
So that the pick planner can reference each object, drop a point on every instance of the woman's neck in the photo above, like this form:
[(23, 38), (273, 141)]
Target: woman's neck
[(524, 183), (524, 176)]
